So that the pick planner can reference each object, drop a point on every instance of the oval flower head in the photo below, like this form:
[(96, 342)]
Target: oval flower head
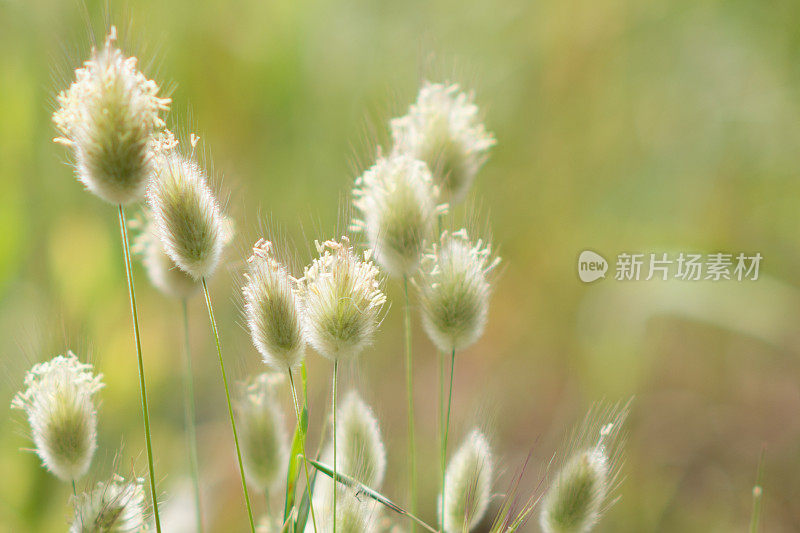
[(116, 505), (576, 499), (110, 116), (341, 299), (468, 482), (59, 402), (271, 309), (361, 453), (263, 436), (187, 216), (162, 271), (442, 128), (454, 290), (398, 204)]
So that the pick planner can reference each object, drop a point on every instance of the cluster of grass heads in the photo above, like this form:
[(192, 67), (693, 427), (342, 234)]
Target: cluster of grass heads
[(112, 120)]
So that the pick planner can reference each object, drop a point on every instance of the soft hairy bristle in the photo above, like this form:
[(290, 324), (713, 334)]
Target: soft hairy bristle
[(59, 403), (398, 205), (187, 216), (580, 491), (442, 128), (271, 309), (341, 298), (468, 484), (113, 506), (111, 117), (454, 290), (263, 435)]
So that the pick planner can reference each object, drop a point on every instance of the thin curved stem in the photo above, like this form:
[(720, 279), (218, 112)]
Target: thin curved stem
[(412, 447), (303, 446), (191, 421), (447, 431), (123, 229), (230, 407), (335, 371)]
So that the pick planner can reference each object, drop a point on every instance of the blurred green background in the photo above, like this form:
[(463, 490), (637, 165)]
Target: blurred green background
[(622, 125)]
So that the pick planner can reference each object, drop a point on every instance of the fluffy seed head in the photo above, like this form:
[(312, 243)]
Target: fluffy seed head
[(113, 506), (361, 455), (580, 490), (110, 115), (162, 271), (187, 217), (263, 436), (59, 403), (397, 201), (271, 309), (468, 484), (442, 128), (341, 299), (454, 290), (360, 449)]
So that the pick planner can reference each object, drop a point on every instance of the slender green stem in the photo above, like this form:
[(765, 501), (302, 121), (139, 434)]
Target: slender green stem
[(191, 421), (441, 356), (230, 407), (303, 446), (123, 229), (335, 371), (447, 429), (412, 447)]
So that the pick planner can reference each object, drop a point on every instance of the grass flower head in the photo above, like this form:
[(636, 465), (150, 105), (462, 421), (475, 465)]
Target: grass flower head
[(398, 205), (111, 117), (580, 492), (341, 298), (187, 216), (469, 484), (113, 506), (59, 403), (271, 309), (454, 287), (442, 128), (263, 435)]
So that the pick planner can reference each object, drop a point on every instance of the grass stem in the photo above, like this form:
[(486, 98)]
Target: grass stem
[(447, 428), (123, 229), (230, 407), (303, 446), (335, 372), (412, 447), (191, 421), (758, 496)]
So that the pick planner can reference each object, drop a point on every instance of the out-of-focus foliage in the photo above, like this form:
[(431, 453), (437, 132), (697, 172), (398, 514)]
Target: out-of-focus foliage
[(622, 125)]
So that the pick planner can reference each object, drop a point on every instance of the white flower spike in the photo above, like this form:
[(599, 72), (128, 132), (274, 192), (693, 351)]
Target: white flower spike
[(454, 287), (442, 128), (341, 299), (187, 216), (59, 402), (111, 117), (398, 205), (113, 506), (271, 309)]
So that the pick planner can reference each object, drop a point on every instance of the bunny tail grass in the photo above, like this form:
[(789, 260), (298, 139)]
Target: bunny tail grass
[(412, 447), (230, 408), (303, 447), (123, 229), (191, 422)]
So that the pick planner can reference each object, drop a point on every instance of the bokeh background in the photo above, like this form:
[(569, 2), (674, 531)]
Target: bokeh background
[(622, 125)]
